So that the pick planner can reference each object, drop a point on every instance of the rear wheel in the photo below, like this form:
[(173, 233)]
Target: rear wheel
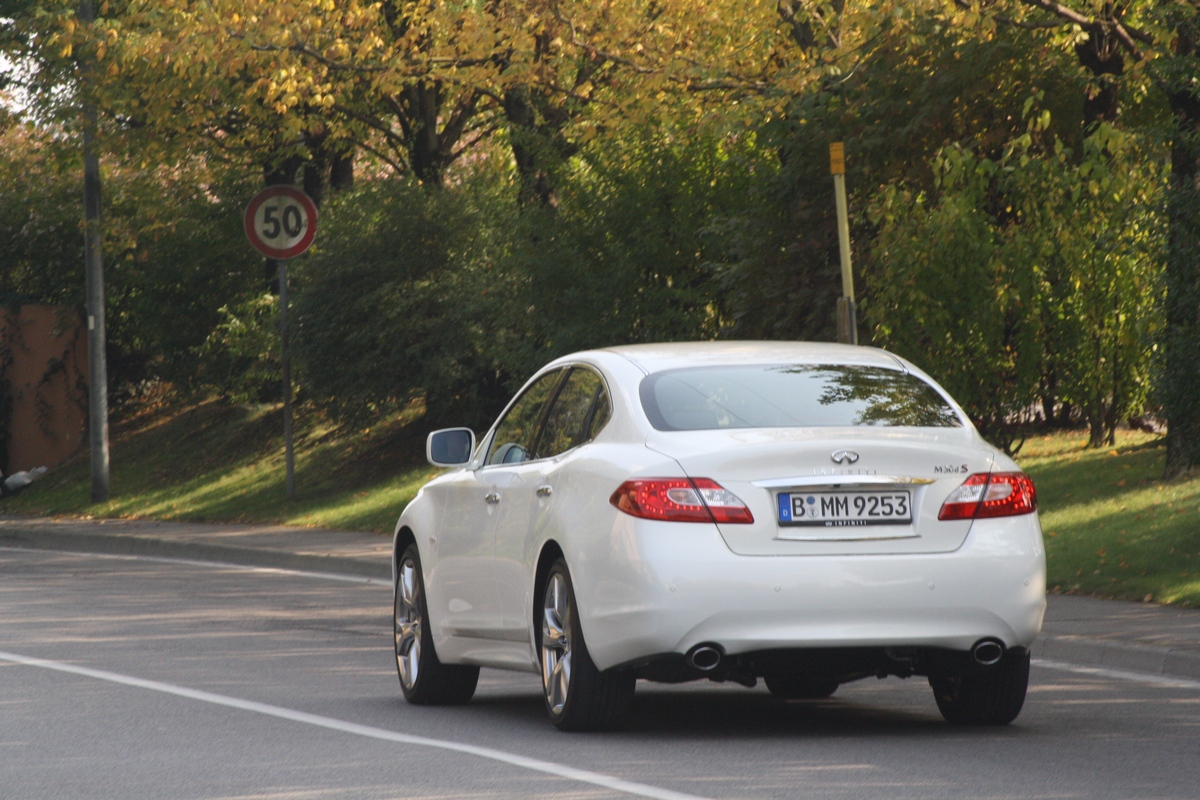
[(792, 687), (991, 696), (579, 697), (423, 678)]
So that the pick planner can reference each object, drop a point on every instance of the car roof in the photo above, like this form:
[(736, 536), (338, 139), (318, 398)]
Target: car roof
[(657, 357)]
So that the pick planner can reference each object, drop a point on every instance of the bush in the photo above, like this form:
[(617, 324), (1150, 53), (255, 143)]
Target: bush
[(402, 300), (1029, 279), (242, 357), (624, 258), (173, 247)]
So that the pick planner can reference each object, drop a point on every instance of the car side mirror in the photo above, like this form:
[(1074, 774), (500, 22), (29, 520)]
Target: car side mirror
[(450, 447)]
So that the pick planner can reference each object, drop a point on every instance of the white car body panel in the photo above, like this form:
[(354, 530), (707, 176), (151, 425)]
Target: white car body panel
[(647, 588)]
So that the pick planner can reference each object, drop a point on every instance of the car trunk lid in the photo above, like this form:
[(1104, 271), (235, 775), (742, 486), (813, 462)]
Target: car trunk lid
[(834, 491)]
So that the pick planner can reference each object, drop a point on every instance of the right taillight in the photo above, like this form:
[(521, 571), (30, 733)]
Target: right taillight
[(996, 494)]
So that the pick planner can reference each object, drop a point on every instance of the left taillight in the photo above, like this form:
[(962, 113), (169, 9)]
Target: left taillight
[(680, 500), (995, 494)]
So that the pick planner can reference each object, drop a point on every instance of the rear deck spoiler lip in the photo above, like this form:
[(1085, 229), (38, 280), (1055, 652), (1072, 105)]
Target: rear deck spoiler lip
[(842, 480)]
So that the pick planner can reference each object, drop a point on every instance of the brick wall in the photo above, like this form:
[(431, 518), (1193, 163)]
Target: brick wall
[(43, 373)]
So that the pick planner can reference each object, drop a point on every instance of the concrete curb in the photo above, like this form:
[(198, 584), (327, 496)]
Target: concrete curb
[(123, 544), (1117, 655)]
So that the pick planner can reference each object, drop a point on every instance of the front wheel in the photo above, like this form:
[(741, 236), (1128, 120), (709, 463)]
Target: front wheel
[(579, 697), (423, 678), (990, 696)]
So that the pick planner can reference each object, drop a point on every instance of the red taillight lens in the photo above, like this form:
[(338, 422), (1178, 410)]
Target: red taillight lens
[(996, 494), (680, 500)]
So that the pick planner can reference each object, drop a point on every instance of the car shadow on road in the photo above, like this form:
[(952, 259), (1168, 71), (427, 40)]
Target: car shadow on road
[(701, 712)]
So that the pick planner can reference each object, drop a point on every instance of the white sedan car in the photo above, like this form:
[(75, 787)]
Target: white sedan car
[(807, 514)]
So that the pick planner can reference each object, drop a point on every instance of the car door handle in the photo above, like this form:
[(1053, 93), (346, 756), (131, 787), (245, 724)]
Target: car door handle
[(545, 490), (492, 498)]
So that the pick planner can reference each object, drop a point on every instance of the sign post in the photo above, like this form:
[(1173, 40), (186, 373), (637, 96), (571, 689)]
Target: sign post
[(847, 316), (281, 222)]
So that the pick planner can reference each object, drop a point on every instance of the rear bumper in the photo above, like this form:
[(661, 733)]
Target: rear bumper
[(676, 585)]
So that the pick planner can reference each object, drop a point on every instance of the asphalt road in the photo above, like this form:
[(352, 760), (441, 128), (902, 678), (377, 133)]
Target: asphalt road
[(137, 678)]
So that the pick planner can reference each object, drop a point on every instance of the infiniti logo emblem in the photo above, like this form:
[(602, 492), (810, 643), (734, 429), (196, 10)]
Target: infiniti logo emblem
[(844, 456)]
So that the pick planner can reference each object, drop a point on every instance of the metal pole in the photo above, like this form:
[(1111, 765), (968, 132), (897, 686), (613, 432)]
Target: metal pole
[(847, 316), (94, 266), (289, 455)]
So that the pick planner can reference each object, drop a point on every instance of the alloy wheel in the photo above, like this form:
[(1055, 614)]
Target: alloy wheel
[(556, 643), (408, 623)]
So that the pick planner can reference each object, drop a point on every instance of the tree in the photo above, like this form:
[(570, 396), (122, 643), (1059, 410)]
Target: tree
[(1163, 35)]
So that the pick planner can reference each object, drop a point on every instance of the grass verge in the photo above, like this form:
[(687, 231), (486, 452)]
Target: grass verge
[(1113, 527), (217, 462)]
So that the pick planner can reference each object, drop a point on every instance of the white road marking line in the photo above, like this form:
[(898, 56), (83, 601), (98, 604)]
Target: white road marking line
[(328, 576), (1167, 681), (513, 759)]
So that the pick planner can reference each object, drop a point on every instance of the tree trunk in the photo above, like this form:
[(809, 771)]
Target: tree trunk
[(341, 172), (427, 156), (1100, 53), (534, 145)]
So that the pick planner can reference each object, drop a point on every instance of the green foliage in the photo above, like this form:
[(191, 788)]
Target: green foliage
[(403, 301), (174, 254), (624, 258), (41, 208), (242, 357), (456, 297), (945, 296), (173, 248), (1098, 238), (1036, 267), (929, 83), (609, 178)]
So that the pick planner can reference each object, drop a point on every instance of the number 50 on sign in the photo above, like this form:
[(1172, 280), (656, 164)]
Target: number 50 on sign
[(281, 222)]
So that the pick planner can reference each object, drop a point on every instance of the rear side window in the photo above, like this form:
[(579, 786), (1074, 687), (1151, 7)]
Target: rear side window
[(578, 413), (791, 396)]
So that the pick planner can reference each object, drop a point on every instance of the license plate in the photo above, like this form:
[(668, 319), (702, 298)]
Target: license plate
[(845, 509)]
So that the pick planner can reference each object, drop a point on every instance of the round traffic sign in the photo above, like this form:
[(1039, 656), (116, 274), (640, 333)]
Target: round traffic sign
[(281, 222)]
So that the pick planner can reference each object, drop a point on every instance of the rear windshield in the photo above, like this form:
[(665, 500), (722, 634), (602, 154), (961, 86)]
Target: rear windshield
[(791, 396)]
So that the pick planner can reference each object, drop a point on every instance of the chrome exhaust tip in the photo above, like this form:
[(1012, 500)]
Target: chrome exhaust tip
[(987, 652), (705, 657)]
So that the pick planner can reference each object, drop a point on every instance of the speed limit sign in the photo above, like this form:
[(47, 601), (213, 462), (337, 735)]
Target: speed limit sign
[(281, 222)]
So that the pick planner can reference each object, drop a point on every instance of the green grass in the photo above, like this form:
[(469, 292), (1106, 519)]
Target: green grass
[(1113, 528), (220, 462)]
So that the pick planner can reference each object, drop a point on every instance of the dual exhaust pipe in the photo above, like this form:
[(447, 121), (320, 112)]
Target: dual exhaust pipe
[(707, 656)]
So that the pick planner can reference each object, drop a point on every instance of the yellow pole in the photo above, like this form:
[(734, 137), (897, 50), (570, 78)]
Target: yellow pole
[(847, 317)]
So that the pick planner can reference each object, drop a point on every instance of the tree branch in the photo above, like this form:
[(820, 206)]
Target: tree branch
[(1108, 23)]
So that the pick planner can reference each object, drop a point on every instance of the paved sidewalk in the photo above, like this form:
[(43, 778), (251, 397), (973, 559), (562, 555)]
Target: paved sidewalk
[(342, 552), (1134, 637)]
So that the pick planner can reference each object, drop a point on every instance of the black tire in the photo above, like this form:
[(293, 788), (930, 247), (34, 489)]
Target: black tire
[(423, 678), (578, 696), (989, 696), (798, 687)]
